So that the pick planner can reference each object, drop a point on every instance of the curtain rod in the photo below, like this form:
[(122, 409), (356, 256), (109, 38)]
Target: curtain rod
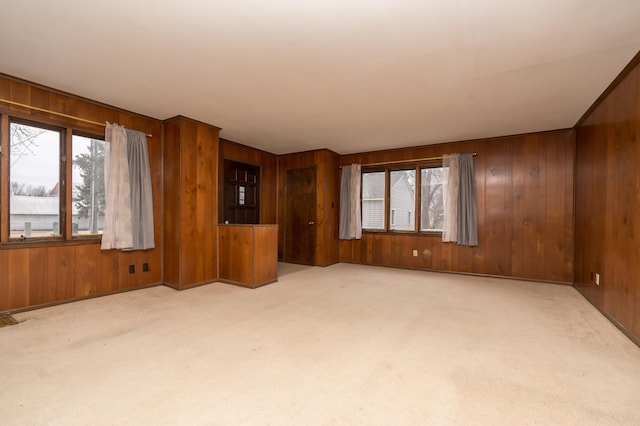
[(413, 160), (48, 111)]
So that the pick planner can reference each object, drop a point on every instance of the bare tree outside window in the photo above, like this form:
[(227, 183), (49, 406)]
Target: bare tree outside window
[(24, 141), (433, 182), (88, 185), (34, 176), (21, 188)]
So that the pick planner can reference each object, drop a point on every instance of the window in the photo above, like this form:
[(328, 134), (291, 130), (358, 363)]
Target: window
[(34, 175), (402, 198), (414, 197), (433, 183), (373, 195), (87, 183)]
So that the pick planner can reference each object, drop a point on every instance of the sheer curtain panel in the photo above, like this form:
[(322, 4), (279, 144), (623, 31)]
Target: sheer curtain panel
[(450, 227), (117, 217), (350, 210)]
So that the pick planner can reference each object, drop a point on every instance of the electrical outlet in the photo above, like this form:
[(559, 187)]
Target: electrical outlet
[(597, 278), (145, 267), (415, 253), (132, 269)]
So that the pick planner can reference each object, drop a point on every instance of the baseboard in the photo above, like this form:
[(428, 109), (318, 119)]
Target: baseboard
[(635, 339), (78, 299)]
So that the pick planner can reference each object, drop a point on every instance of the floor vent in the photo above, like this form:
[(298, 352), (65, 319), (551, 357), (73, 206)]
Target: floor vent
[(7, 320)]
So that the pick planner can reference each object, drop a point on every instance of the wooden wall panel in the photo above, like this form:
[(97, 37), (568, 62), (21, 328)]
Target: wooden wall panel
[(188, 251), (48, 272), (61, 263), (206, 219), (268, 177), (172, 199), (248, 254), (18, 278), (525, 211), (328, 206), (40, 291), (191, 215), (607, 202), (5, 298)]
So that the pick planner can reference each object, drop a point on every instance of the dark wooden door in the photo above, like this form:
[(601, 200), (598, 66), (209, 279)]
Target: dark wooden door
[(300, 216), (241, 192)]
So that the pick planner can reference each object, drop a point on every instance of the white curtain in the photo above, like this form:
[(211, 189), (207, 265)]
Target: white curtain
[(116, 232), (350, 208), (460, 201), (450, 228), (141, 196)]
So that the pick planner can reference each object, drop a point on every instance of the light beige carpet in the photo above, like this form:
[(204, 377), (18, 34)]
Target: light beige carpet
[(345, 344)]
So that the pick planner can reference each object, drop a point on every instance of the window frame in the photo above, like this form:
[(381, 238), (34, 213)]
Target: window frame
[(62, 199), (417, 217), (8, 116), (73, 236), (385, 199)]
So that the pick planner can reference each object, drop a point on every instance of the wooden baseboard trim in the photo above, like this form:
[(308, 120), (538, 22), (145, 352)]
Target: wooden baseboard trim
[(78, 299), (246, 285), (635, 339), (188, 286), (472, 274)]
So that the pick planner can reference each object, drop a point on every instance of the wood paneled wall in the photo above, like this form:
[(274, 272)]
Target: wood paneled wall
[(47, 272), (525, 211), (608, 203), (268, 177), (327, 199), (191, 203)]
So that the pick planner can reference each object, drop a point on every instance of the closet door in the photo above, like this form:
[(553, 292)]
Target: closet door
[(300, 216)]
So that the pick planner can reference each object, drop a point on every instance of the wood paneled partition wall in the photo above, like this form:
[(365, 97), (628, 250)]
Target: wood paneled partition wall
[(268, 176), (525, 211), (191, 203), (608, 202), (36, 273)]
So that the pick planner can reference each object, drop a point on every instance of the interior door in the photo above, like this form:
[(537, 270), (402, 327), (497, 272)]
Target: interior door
[(300, 216)]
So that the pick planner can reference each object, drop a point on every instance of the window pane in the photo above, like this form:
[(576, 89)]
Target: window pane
[(433, 182), (87, 186), (373, 190), (34, 172), (402, 201)]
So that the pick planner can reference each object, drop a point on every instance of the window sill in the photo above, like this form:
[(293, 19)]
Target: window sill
[(52, 242), (399, 232)]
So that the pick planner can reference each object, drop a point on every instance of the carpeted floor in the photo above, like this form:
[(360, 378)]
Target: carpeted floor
[(346, 344)]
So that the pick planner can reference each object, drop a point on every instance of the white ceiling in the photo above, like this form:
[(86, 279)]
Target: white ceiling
[(348, 75)]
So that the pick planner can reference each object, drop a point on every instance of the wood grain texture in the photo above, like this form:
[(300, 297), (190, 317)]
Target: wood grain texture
[(265, 253), (4, 175), (268, 176), (524, 185), (191, 202), (42, 273), (607, 202), (327, 198), (301, 229), (248, 254)]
